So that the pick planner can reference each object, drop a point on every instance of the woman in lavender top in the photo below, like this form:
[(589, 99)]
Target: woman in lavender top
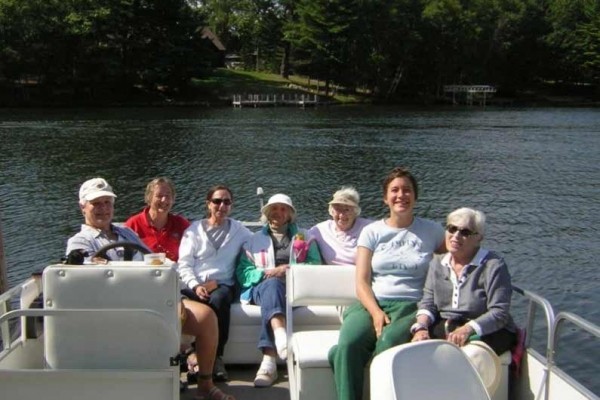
[(338, 236)]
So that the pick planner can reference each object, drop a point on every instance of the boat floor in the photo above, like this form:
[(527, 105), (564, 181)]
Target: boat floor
[(241, 385)]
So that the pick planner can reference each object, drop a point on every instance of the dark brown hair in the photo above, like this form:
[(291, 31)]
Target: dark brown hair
[(400, 172), (213, 189)]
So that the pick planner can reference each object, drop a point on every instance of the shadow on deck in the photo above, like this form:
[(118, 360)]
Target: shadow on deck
[(241, 385)]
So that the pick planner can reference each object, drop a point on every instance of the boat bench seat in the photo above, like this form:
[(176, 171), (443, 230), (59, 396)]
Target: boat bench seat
[(310, 374), (245, 324)]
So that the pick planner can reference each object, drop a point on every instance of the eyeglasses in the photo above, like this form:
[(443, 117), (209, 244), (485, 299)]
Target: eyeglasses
[(451, 229), (218, 202)]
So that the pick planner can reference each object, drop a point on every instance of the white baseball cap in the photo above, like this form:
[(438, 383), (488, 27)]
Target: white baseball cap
[(278, 198), (94, 188)]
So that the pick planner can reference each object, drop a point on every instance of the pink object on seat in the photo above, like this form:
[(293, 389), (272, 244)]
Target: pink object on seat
[(517, 352)]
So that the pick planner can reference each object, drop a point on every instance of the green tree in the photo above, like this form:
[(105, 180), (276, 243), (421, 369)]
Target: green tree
[(323, 37), (574, 38), (100, 45)]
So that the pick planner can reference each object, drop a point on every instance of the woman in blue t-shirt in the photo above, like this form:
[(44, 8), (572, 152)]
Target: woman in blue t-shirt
[(392, 259)]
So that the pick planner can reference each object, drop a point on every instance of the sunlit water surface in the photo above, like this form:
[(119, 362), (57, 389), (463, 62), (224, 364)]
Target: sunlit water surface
[(534, 172)]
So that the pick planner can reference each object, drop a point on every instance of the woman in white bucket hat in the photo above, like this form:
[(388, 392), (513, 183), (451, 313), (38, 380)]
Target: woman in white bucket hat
[(261, 272)]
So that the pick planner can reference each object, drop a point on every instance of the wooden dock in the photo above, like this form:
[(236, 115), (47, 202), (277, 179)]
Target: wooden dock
[(275, 100), (470, 93)]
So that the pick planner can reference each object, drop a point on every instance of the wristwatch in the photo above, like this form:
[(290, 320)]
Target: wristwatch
[(416, 327)]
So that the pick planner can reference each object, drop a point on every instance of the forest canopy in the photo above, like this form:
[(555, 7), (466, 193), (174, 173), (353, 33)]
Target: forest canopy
[(90, 48)]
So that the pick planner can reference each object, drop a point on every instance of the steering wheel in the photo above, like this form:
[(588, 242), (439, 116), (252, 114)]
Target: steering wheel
[(129, 247)]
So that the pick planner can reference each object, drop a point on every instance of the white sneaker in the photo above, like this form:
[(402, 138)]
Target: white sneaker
[(265, 376)]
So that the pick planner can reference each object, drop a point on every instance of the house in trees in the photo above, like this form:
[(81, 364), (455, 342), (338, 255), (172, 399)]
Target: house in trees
[(217, 49)]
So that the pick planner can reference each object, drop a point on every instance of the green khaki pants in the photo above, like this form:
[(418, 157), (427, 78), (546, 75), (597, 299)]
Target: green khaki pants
[(358, 343)]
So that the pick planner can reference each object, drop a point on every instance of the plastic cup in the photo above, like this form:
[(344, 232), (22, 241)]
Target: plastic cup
[(154, 259)]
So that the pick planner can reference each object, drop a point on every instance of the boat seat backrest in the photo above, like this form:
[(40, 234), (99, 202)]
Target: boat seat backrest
[(407, 371), (110, 317), (321, 285)]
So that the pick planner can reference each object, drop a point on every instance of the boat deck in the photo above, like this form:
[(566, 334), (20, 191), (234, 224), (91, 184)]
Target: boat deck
[(241, 385)]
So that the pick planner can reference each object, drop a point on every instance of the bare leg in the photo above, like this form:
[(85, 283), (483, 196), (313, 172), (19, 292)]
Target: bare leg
[(201, 322), (278, 321)]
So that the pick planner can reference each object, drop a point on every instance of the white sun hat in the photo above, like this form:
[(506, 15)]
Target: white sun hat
[(278, 198), (486, 362)]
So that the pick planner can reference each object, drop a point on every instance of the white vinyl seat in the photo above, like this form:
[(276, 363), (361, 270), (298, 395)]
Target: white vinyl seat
[(432, 369), (109, 332), (310, 375), (119, 317)]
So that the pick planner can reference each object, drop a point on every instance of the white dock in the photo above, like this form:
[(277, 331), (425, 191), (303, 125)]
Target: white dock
[(470, 93), (274, 100)]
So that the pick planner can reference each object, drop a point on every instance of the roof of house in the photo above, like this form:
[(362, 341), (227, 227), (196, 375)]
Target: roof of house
[(207, 33)]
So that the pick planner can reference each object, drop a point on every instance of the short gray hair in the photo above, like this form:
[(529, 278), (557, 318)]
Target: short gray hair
[(474, 219)]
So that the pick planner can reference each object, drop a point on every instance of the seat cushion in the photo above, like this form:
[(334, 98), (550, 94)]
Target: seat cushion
[(249, 314), (310, 348)]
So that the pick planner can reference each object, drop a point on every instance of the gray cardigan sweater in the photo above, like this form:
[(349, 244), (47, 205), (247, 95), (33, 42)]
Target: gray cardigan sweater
[(483, 295)]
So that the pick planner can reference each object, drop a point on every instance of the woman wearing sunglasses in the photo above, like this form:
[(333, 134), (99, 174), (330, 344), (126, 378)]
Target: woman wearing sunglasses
[(207, 258), (392, 259), (468, 290)]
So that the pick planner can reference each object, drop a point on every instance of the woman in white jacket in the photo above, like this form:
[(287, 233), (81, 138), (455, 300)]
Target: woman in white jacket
[(207, 260)]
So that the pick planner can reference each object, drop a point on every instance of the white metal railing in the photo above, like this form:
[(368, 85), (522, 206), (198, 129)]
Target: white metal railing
[(23, 294), (559, 322), (535, 302), (554, 324)]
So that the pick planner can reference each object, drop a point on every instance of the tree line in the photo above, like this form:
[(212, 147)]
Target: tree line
[(383, 47)]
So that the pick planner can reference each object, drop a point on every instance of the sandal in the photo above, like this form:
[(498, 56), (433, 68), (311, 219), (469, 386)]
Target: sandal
[(214, 394)]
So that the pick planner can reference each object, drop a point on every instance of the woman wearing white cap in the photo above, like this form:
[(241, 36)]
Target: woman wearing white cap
[(261, 272), (96, 200), (338, 236)]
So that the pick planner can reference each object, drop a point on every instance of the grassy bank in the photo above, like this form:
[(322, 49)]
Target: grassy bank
[(224, 83), (218, 87)]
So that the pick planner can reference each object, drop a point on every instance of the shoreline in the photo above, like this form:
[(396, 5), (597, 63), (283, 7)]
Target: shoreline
[(499, 102)]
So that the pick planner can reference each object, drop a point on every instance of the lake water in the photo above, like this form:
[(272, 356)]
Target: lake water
[(534, 172)]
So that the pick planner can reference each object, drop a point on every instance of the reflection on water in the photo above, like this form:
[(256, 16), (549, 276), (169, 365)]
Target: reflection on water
[(534, 172)]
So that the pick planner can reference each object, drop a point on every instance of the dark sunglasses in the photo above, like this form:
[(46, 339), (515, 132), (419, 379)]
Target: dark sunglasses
[(462, 232), (218, 202)]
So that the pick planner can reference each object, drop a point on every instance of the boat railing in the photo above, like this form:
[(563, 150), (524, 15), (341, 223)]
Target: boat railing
[(24, 294), (563, 319), (535, 302)]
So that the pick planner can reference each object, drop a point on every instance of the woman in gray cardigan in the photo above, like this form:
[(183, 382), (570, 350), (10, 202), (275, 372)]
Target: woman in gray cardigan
[(468, 290)]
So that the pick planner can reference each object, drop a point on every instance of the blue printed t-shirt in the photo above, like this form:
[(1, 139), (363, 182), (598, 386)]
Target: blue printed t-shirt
[(401, 257)]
